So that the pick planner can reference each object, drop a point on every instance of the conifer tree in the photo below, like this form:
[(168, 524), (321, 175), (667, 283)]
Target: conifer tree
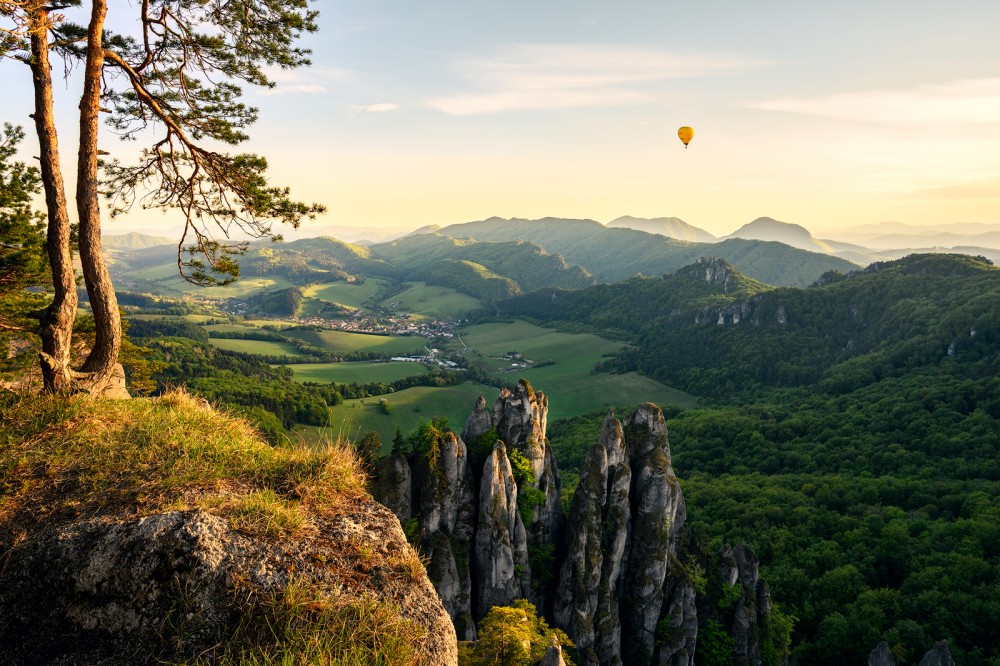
[(175, 83)]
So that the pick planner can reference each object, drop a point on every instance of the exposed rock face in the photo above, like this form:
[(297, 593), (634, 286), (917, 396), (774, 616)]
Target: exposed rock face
[(881, 656), (657, 514), (519, 419), (553, 657), (168, 587), (586, 603), (739, 566), (478, 423), (501, 554), (392, 485), (445, 503), (622, 536), (939, 655)]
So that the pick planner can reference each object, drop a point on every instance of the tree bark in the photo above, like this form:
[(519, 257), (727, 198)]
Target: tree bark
[(105, 375), (57, 319)]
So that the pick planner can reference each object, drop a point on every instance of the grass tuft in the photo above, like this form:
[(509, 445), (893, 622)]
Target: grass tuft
[(64, 457), (304, 626)]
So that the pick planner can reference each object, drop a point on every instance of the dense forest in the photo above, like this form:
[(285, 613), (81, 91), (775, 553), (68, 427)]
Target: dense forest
[(860, 456)]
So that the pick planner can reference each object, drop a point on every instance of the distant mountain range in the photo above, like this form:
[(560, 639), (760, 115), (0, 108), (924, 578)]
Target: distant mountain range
[(575, 253), (613, 254), (671, 227)]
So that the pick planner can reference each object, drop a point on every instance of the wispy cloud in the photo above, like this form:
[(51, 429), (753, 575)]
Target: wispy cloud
[(550, 76), (381, 107), (973, 101), (304, 81), (295, 89)]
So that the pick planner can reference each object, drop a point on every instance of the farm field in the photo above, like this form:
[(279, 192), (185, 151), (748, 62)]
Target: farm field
[(406, 408), (570, 382), (191, 318), (432, 301), (345, 341), (262, 347), (346, 293), (231, 328), (360, 372)]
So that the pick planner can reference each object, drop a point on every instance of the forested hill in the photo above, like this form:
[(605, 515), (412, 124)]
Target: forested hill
[(713, 332), (613, 254), (526, 263)]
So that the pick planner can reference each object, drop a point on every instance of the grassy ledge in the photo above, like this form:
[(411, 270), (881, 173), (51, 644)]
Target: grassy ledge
[(67, 459)]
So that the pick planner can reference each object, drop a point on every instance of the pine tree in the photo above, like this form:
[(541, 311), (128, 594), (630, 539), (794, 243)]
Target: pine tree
[(178, 77)]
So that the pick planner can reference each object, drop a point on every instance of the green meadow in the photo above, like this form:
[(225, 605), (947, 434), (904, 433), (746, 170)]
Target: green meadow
[(406, 408), (361, 372), (261, 347), (348, 294), (344, 342), (432, 301), (570, 381)]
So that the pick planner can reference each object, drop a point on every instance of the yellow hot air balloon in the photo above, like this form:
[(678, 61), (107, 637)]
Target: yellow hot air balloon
[(685, 134)]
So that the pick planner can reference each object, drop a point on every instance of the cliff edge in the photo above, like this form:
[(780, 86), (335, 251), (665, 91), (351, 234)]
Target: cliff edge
[(151, 531)]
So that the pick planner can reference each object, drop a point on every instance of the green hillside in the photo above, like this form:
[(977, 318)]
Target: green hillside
[(524, 263), (470, 278), (922, 310), (613, 254)]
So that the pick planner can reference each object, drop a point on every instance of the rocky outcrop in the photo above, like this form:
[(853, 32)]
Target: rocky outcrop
[(434, 486), (739, 567), (618, 596), (519, 418), (658, 512), (586, 603), (553, 657), (939, 655), (479, 421), (445, 504), (392, 485), (501, 552), (175, 586), (881, 656)]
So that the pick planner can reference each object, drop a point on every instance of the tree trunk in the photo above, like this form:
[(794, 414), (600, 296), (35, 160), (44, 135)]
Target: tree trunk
[(105, 377), (57, 319)]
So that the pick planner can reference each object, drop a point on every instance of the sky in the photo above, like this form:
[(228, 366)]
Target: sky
[(824, 114)]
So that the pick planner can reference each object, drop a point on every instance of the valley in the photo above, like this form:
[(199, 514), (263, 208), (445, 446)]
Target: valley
[(845, 430)]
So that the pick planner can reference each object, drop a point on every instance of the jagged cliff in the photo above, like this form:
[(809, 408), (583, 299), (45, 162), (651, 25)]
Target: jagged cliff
[(620, 566)]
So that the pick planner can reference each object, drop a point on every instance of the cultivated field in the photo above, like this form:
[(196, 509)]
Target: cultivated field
[(347, 294), (406, 408), (344, 342), (570, 381), (432, 301), (262, 347), (362, 372)]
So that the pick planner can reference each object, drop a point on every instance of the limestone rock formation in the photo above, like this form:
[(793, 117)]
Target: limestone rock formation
[(519, 418), (445, 502), (939, 655), (553, 657), (501, 552), (392, 485), (478, 422), (621, 541), (739, 567), (173, 586), (881, 656), (658, 513), (586, 603)]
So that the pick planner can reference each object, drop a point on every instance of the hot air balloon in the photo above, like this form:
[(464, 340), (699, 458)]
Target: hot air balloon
[(685, 134)]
